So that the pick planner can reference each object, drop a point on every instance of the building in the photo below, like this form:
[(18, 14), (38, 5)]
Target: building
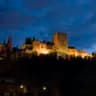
[(6, 48), (84, 54), (72, 51), (59, 46), (2, 48), (60, 43), (38, 47), (9, 43)]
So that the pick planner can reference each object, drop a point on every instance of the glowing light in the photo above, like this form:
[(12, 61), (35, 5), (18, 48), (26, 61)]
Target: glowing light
[(82, 56), (21, 86), (44, 88), (44, 52)]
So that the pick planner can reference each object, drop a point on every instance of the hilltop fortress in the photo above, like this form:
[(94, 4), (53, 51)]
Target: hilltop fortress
[(59, 45)]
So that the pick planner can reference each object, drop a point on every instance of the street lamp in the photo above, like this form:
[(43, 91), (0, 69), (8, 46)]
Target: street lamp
[(21, 86), (44, 88)]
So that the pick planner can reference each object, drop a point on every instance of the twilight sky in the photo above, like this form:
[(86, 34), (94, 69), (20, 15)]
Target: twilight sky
[(41, 18)]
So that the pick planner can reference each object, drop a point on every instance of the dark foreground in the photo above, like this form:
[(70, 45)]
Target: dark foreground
[(74, 77)]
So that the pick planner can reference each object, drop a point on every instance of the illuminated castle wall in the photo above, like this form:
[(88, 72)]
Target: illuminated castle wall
[(75, 53), (72, 51), (38, 47), (60, 42), (59, 45), (6, 47)]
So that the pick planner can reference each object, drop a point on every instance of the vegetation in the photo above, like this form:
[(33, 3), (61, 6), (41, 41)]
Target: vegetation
[(74, 75)]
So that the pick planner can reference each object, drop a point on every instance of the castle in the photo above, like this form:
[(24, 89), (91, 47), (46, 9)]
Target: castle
[(59, 45)]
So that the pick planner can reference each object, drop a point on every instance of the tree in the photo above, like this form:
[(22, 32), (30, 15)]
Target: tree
[(28, 41)]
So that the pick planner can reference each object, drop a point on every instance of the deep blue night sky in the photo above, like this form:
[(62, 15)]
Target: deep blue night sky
[(41, 18)]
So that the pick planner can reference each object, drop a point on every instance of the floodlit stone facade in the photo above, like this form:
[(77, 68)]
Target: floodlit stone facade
[(59, 45)]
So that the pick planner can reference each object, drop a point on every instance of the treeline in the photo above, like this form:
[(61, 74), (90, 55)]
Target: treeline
[(73, 74), (45, 65)]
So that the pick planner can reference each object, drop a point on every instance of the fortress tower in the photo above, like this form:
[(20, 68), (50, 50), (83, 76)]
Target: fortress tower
[(9, 43), (60, 41)]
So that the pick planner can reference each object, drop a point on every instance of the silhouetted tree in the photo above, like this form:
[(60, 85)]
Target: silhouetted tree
[(28, 41)]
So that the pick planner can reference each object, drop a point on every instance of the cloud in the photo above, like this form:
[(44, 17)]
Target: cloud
[(14, 20), (38, 17), (38, 4), (92, 48)]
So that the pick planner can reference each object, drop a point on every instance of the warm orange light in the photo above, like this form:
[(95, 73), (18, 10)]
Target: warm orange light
[(44, 52)]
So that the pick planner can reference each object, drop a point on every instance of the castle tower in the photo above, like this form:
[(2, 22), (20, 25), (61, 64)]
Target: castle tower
[(9, 43), (60, 41)]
